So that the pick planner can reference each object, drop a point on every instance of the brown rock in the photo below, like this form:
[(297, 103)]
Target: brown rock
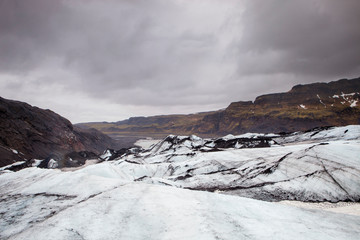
[(29, 132), (303, 107)]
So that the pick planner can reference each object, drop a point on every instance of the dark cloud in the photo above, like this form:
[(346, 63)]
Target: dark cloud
[(153, 57), (316, 37)]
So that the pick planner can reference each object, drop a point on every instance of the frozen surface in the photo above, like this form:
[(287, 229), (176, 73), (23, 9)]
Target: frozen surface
[(143, 211), (351, 132), (106, 155), (152, 194), (352, 208), (146, 143), (320, 165)]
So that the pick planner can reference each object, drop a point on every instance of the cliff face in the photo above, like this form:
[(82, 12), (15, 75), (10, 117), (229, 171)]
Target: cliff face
[(303, 107), (29, 132)]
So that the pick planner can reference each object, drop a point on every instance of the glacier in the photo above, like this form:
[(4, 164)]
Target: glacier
[(186, 187)]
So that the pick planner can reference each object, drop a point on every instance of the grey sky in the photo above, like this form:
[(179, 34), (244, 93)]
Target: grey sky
[(110, 60)]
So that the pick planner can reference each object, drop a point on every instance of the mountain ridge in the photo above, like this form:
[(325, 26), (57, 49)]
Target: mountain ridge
[(303, 107)]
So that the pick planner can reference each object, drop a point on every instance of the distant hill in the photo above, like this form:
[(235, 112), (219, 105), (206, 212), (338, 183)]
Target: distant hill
[(303, 107), (28, 132)]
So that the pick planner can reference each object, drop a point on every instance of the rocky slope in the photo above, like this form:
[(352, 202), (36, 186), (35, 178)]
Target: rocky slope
[(303, 107), (28, 132)]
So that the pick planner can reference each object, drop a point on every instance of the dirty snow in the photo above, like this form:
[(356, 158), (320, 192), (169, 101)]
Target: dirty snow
[(352, 208)]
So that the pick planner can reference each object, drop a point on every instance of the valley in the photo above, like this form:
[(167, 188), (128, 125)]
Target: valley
[(272, 167)]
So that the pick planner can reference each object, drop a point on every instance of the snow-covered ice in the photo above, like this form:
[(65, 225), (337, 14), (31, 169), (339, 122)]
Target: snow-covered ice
[(128, 210), (106, 155), (352, 208), (147, 194), (146, 143)]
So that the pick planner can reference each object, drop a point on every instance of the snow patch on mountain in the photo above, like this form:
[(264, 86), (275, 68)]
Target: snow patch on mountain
[(353, 103)]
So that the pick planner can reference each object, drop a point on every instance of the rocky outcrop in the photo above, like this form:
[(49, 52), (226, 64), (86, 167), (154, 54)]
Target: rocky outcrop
[(28, 132), (303, 107)]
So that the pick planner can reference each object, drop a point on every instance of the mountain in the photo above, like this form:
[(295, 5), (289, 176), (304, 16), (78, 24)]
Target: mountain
[(156, 126), (186, 187), (28, 132), (303, 107)]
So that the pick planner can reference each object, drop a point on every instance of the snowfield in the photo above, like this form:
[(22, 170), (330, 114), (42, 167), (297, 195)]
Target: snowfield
[(321, 165), (152, 194), (100, 207)]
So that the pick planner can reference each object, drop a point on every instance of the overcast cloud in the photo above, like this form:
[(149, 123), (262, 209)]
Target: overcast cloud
[(110, 60)]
